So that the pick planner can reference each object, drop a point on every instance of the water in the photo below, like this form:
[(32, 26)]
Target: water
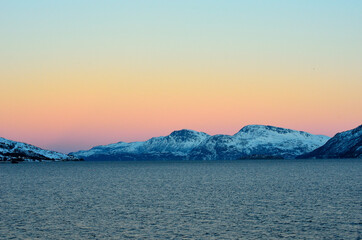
[(260, 199)]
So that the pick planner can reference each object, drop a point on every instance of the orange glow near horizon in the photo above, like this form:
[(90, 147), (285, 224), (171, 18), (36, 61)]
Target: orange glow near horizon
[(130, 107)]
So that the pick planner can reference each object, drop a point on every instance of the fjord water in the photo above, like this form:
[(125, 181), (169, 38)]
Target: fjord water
[(260, 199)]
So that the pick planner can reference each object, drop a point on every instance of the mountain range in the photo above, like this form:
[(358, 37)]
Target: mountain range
[(251, 142)]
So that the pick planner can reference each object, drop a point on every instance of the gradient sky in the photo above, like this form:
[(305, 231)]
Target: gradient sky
[(74, 74)]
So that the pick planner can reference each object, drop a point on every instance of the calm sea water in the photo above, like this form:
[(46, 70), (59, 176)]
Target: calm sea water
[(301, 199)]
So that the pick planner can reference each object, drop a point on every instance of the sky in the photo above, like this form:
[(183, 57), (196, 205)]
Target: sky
[(75, 74)]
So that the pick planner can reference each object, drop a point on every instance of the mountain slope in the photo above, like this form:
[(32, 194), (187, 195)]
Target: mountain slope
[(175, 146), (346, 144), (12, 150), (251, 141)]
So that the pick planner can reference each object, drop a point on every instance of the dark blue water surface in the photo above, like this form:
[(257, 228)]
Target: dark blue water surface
[(260, 199)]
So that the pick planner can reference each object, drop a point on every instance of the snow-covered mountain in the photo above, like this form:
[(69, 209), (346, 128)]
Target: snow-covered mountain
[(17, 151), (258, 141), (252, 141), (346, 144), (175, 146)]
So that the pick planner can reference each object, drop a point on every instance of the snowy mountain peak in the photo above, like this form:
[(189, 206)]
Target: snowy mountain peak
[(264, 128), (185, 134)]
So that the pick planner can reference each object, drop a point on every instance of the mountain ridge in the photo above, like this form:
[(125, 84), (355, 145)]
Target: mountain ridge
[(13, 151), (186, 144), (250, 142), (347, 144)]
